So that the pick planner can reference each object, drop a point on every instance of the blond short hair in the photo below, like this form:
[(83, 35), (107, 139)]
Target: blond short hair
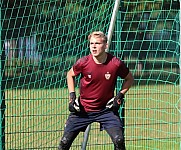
[(98, 34)]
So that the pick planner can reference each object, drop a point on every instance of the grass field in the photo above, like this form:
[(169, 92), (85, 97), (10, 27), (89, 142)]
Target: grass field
[(35, 119)]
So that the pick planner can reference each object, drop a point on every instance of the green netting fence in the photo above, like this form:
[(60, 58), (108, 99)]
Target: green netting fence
[(41, 39)]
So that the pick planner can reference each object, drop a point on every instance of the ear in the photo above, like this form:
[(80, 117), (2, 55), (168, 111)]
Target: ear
[(106, 46)]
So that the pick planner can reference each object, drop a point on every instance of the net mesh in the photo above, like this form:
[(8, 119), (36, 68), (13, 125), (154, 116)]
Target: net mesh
[(42, 39)]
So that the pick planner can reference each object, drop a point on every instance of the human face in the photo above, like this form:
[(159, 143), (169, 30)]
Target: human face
[(97, 46)]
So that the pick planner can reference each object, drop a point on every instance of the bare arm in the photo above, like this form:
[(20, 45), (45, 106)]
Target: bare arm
[(128, 81), (115, 103), (73, 103), (71, 80)]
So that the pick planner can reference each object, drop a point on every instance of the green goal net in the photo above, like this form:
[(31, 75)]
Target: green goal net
[(41, 39)]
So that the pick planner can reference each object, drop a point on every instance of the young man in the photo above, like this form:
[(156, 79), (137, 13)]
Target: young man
[(96, 102)]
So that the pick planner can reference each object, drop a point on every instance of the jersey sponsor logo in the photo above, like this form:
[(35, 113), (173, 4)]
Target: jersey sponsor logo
[(107, 76)]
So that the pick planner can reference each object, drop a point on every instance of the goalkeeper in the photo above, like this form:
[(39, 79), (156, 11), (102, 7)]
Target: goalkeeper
[(96, 102)]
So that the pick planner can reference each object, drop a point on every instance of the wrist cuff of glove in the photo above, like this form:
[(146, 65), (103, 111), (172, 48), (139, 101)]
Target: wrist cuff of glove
[(120, 95), (72, 95)]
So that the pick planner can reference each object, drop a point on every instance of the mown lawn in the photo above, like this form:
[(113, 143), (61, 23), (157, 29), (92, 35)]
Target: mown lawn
[(35, 119)]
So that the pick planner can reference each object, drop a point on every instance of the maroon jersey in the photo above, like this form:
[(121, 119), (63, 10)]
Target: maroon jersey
[(98, 81)]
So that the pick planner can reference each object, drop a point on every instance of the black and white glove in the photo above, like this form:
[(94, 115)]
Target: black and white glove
[(74, 105), (115, 102)]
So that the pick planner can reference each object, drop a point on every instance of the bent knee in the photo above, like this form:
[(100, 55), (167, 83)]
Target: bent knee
[(119, 141), (64, 144), (67, 140)]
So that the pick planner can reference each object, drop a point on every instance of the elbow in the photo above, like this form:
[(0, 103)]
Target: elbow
[(132, 79), (70, 74)]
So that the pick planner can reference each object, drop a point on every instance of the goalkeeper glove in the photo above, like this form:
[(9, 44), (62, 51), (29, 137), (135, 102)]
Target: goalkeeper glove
[(115, 102), (74, 105)]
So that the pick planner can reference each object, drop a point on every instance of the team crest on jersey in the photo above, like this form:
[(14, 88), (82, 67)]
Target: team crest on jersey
[(89, 76), (107, 76)]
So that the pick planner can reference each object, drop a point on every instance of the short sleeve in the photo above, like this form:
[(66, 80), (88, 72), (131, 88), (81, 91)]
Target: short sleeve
[(80, 64), (77, 67), (123, 70)]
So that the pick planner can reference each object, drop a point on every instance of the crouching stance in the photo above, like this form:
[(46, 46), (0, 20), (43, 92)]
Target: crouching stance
[(78, 122), (96, 101)]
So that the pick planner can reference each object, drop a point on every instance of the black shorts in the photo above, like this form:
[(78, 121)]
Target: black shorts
[(80, 121)]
